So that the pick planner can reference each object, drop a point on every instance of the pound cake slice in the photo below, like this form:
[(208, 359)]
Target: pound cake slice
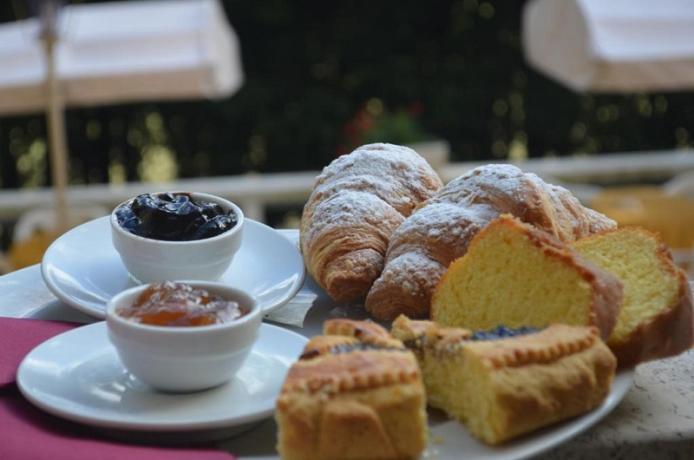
[(505, 383), (656, 316), (518, 275), (355, 393)]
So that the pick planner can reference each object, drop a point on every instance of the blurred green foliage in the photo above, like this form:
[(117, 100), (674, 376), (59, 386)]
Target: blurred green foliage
[(399, 127), (312, 66), (374, 123)]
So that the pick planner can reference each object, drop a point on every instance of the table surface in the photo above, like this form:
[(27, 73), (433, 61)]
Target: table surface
[(655, 420)]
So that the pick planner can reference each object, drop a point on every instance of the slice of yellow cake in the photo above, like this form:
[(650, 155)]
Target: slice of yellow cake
[(517, 275), (505, 382), (656, 316)]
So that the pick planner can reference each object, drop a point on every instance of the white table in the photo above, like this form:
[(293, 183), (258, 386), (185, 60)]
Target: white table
[(655, 420)]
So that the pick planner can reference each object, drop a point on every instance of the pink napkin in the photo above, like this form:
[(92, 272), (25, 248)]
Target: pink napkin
[(28, 433)]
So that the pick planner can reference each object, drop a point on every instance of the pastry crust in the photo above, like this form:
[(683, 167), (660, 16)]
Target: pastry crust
[(364, 331), (357, 202), (504, 388), (440, 231), (355, 395)]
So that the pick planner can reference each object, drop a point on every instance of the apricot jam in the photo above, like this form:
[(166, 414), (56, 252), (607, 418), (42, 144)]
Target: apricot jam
[(179, 304)]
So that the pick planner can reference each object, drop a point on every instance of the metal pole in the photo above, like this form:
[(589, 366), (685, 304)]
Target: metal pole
[(55, 115)]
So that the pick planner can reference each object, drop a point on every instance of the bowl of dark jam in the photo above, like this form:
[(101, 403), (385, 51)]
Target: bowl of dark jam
[(174, 217), (185, 335), (176, 235)]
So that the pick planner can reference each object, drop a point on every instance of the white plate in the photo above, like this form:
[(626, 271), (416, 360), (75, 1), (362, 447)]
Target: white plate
[(84, 270), (77, 375), (449, 439)]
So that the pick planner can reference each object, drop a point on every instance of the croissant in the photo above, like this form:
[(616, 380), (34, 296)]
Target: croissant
[(424, 245), (357, 202)]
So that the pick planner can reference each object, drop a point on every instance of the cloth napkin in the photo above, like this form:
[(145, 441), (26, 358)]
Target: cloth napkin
[(28, 433)]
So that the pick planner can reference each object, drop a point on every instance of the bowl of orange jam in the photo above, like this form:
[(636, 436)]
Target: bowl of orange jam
[(183, 336)]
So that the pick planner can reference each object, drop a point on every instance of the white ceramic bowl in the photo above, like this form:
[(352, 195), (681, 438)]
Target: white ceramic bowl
[(186, 358), (149, 260)]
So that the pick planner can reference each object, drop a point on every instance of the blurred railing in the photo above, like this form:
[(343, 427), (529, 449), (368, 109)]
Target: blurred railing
[(255, 192), (665, 209)]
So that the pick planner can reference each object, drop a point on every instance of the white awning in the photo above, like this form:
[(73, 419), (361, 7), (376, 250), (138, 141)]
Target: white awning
[(612, 45), (123, 52)]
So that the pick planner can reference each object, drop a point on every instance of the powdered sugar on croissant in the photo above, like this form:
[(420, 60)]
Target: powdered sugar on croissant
[(424, 245), (357, 202)]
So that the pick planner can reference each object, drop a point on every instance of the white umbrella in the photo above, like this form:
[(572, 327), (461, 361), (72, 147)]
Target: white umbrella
[(612, 45), (111, 53)]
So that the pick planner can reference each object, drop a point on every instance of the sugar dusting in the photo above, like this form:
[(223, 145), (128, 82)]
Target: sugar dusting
[(412, 272), (351, 210), (361, 197), (390, 171)]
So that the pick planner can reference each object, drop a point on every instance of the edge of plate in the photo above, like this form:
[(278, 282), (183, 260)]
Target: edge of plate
[(99, 314), (302, 276), (56, 291), (134, 426)]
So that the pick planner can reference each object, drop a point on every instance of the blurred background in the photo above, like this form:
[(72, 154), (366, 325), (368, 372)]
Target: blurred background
[(320, 78)]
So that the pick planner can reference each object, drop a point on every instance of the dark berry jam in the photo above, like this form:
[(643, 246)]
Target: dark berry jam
[(503, 332), (174, 217)]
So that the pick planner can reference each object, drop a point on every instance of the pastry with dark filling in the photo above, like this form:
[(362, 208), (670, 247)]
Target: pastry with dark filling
[(355, 393), (503, 383)]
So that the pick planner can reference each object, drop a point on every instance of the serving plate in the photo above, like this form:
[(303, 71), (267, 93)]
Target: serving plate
[(87, 384), (83, 269), (77, 375), (448, 438)]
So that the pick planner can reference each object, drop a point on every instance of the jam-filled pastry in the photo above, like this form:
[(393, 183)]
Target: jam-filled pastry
[(355, 393), (356, 203), (503, 383)]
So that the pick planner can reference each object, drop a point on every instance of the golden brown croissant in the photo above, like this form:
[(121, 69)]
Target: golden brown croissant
[(357, 202), (424, 245)]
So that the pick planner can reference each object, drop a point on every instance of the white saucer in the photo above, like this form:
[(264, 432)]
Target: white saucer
[(78, 376), (84, 270)]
